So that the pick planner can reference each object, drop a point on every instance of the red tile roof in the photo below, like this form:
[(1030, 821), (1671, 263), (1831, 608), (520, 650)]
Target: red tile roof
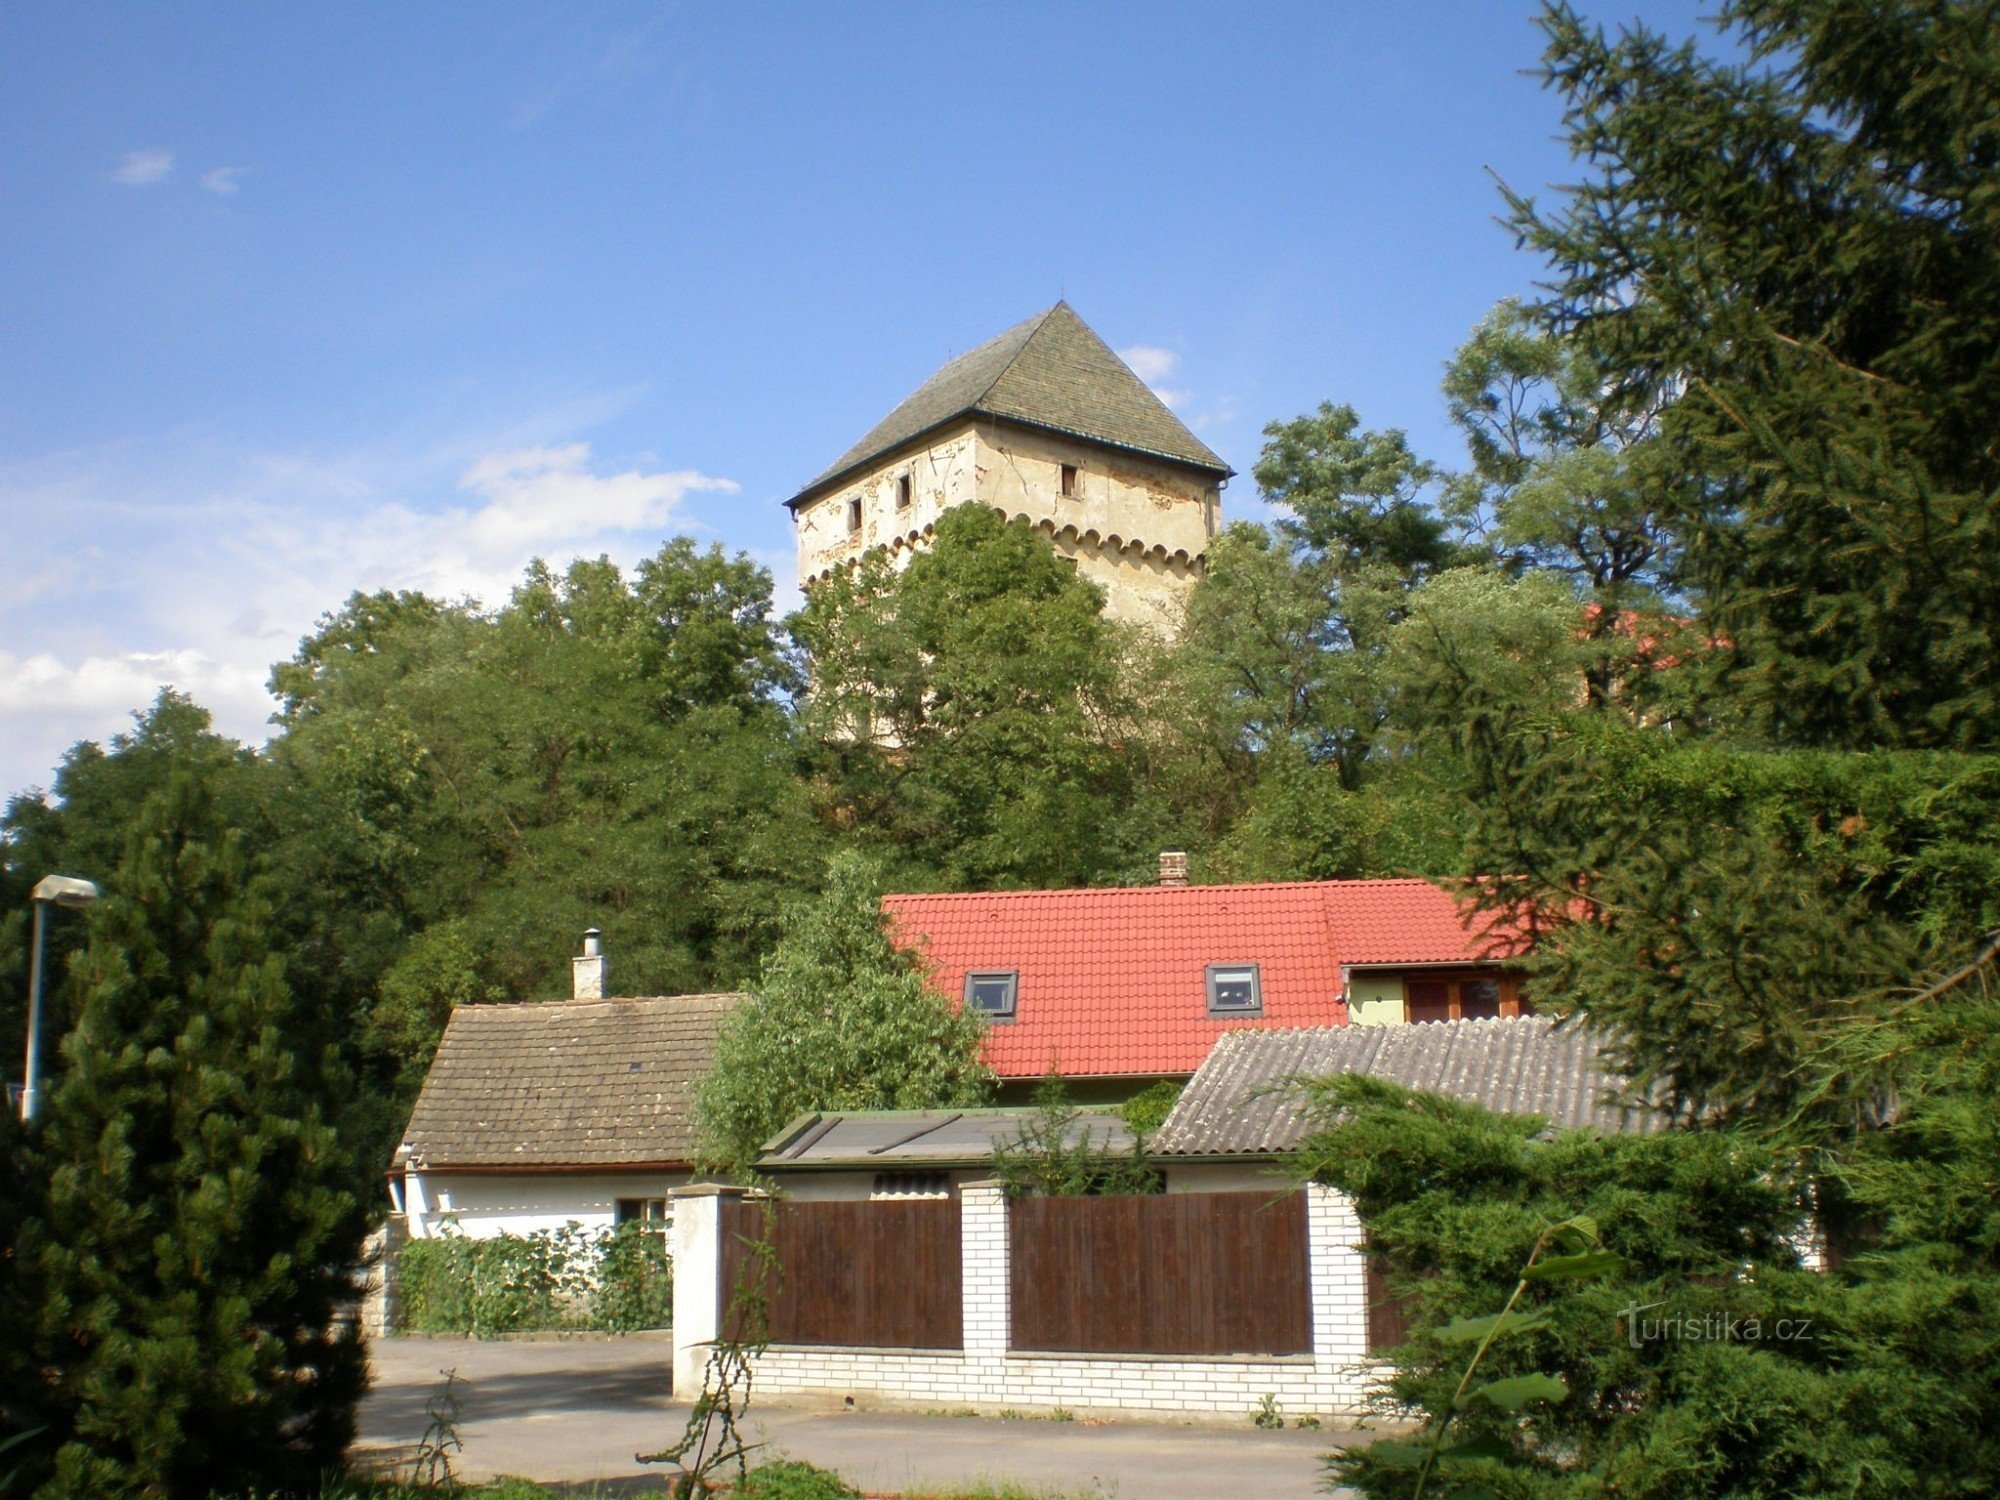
[(1115, 981)]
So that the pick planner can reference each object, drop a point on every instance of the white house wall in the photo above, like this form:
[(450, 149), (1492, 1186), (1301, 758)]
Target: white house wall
[(488, 1204)]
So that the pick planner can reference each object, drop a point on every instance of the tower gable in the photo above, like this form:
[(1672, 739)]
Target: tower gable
[(1052, 372), (1044, 424)]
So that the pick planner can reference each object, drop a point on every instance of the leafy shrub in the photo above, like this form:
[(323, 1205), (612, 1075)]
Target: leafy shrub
[(554, 1278), (634, 1281), (791, 1480), (1146, 1110)]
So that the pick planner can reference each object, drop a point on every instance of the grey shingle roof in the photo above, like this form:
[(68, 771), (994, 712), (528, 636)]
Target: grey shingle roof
[(1051, 371), (875, 1139), (577, 1083), (1245, 1101)]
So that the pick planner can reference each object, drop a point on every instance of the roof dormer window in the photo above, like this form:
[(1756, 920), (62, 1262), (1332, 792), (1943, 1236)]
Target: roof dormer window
[(992, 993), (1235, 990)]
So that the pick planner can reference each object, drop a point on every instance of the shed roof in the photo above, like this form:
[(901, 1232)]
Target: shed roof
[(876, 1140), (574, 1083), (1115, 982), (1245, 1100), (1051, 371)]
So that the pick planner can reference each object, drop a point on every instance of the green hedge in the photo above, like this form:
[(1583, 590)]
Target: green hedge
[(564, 1278)]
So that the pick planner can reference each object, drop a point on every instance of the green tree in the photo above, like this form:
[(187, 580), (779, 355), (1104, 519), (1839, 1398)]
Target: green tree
[(1702, 1360), (1564, 476), (975, 711), (1354, 496), (1793, 253), (469, 791), (190, 1235), (1061, 1151), (98, 796), (840, 1019)]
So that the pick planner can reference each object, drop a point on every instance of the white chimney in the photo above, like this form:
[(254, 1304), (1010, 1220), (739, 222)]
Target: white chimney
[(588, 972), (1173, 867)]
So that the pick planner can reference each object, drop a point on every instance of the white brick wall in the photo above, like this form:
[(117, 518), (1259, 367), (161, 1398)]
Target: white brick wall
[(1218, 1387), (1336, 1379)]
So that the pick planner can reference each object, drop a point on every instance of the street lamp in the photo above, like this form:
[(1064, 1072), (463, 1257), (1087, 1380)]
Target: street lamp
[(54, 890)]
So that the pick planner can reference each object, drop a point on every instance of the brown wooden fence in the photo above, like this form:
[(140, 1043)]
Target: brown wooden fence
[(1178, 1273), (1389, 1311), (880, 1275)]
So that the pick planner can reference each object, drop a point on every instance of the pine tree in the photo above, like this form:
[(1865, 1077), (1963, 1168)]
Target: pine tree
[(194, 1217), (1795, 250)]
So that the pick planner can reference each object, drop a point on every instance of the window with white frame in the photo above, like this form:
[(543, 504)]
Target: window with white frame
[(992, 993), (1234, 990)]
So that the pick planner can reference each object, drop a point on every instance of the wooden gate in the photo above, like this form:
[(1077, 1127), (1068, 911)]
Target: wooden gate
[(1178, 1273), (880, 1275)]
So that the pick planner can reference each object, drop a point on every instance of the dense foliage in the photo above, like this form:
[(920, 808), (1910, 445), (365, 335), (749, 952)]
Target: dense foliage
[(840, 1018), (1060, 1151), (186, 1213), (1763, 845), (615, 1281)]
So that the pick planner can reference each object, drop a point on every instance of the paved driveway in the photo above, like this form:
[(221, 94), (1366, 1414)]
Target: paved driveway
[(577, 1410)]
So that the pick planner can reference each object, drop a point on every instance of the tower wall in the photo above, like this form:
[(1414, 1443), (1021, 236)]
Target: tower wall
[(1137, 527)]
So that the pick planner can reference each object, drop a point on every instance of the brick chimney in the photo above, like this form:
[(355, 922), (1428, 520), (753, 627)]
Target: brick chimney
[(1173, 867), (589, 973)]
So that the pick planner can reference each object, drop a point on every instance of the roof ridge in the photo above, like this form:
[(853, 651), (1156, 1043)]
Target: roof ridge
[(573, 1004), (1182, 890)]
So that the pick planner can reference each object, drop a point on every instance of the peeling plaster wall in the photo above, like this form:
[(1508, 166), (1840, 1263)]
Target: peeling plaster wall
[(941, 476), (1137, 527)]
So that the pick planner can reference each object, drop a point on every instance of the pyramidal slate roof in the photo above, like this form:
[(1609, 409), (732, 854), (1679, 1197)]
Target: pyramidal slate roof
[(572, 1083), (1245, 1100), (1052, 371)]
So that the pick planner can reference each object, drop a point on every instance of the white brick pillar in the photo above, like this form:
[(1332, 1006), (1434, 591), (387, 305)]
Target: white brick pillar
[(696, 1239), (1336, 1248), (982, 1208)]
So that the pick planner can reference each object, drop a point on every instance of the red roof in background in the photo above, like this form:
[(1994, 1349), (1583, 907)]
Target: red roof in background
[(1116, 981)]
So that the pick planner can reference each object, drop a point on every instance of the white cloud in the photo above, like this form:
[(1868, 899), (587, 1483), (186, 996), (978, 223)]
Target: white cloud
[(1149, 362), (1153, 364), (142, 167), (47, 704), (530, 502), (118, 588), (223, 181)]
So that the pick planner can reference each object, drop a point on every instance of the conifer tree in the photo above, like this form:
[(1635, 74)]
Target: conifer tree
[(192, 1218), (1795, 248)]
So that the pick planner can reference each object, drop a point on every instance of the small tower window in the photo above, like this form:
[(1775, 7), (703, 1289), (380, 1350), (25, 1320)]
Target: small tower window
[(902, 492), (854, 514), (1069, 479)]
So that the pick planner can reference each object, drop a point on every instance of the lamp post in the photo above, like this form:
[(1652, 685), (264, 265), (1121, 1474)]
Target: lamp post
[(54, 890)]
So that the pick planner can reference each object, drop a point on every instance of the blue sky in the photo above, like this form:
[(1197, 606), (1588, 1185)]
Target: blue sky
[(304, 300)]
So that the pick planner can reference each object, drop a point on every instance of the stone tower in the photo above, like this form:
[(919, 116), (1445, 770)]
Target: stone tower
[(1045, 423)]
